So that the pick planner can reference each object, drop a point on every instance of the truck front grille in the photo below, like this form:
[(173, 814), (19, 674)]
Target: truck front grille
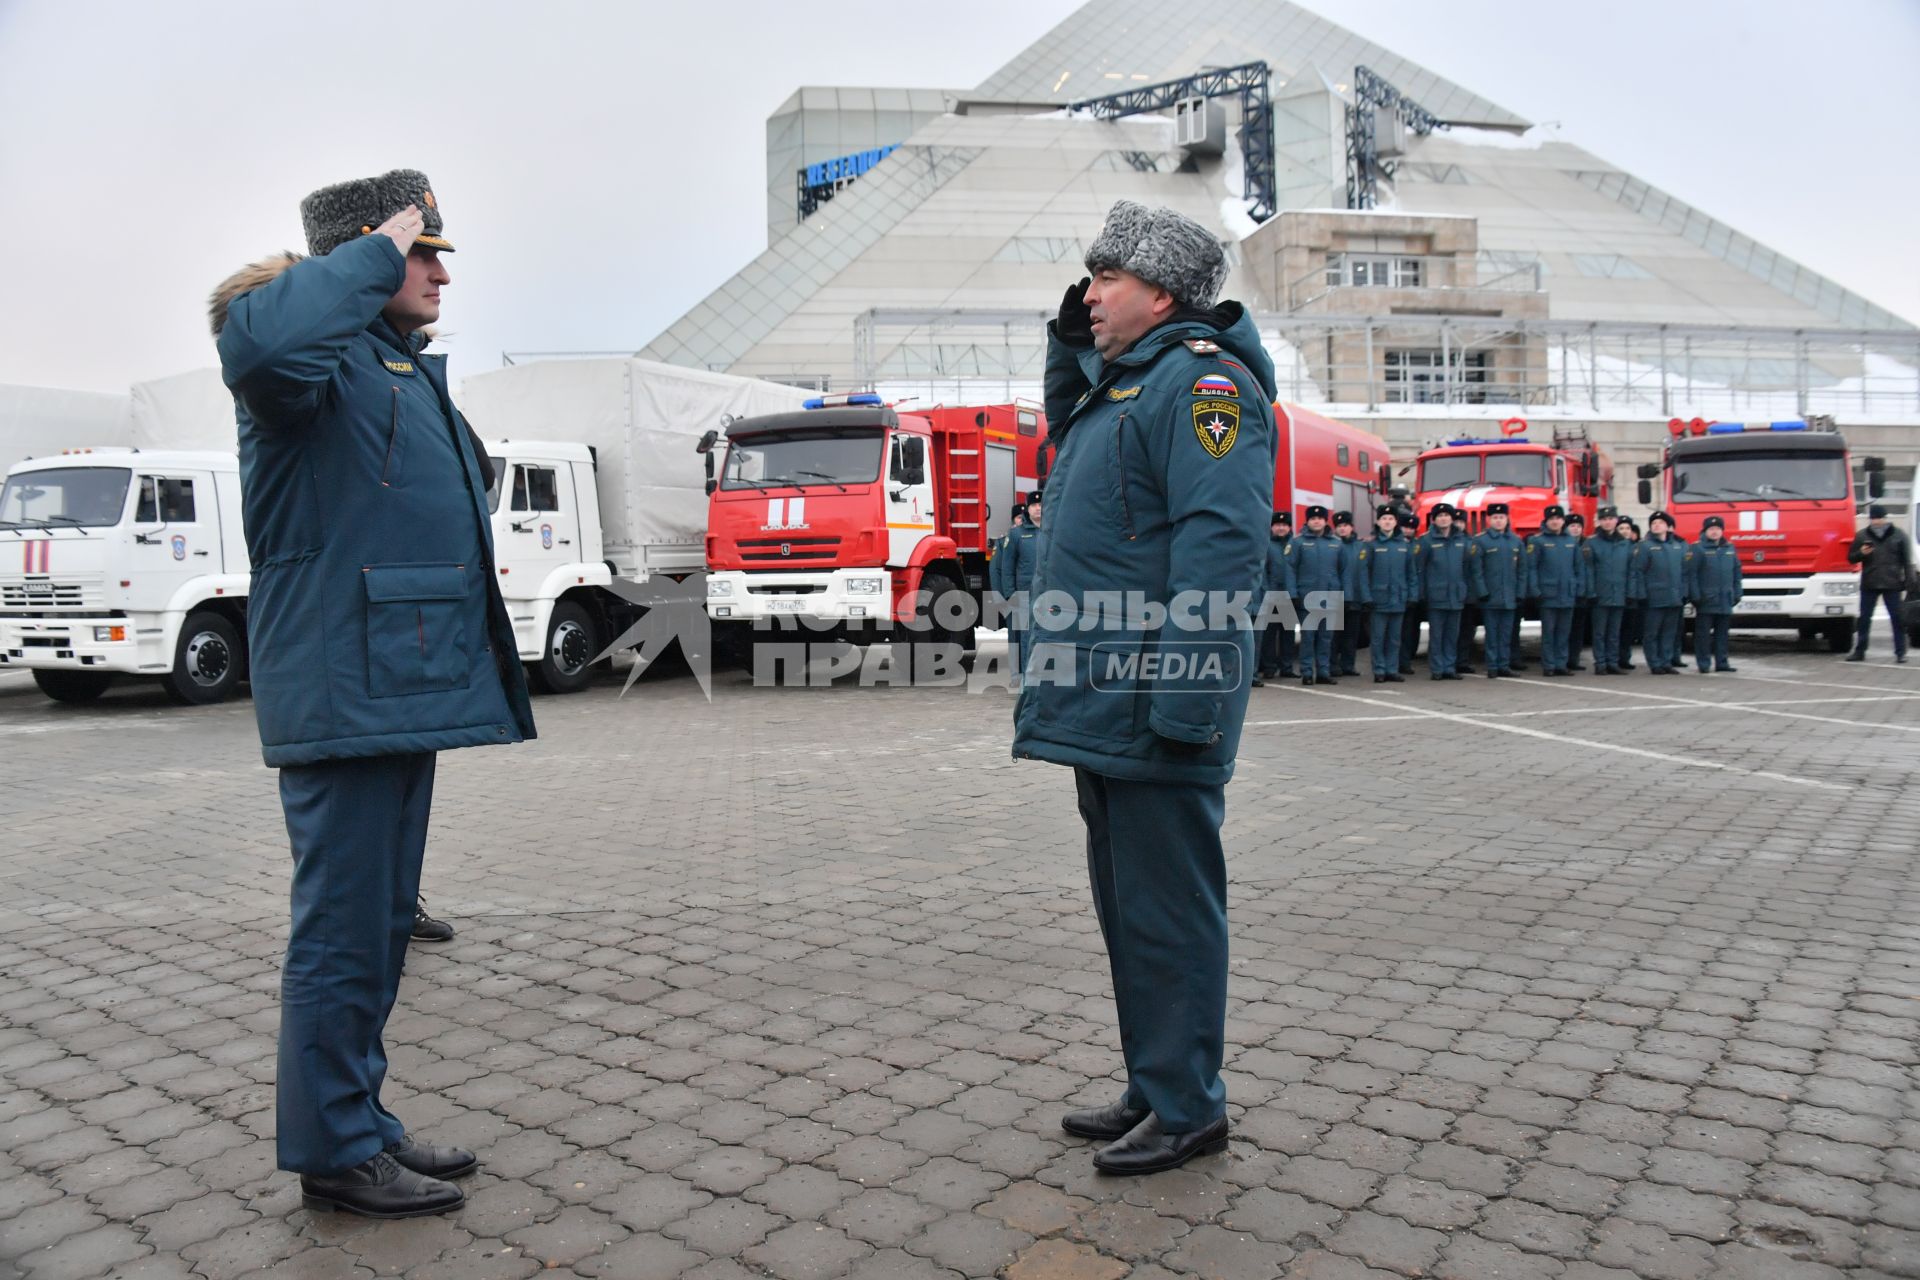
[(39, 593), (788, 550)]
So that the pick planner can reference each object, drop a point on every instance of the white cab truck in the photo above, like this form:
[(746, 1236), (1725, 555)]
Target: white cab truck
[(124, 561), (133, 562)]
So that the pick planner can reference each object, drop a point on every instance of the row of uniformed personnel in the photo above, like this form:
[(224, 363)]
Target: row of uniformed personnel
[(1611, 574)]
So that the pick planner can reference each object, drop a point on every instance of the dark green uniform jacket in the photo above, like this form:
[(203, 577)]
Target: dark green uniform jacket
[(1384, 578), (1162, 485), (1660, 571), (375, 625), (1556, 570), (1440, 565), (1320, 562), (1279, 573), (1713, 577), (1012, 569), (1498, 563), (1609, 567)]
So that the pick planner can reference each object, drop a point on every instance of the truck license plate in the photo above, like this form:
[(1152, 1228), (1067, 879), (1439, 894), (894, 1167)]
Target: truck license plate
[(1759, 606), (784, 606)]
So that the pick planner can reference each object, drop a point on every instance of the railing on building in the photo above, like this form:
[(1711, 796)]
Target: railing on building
[(1589, 367), (1346, 272)]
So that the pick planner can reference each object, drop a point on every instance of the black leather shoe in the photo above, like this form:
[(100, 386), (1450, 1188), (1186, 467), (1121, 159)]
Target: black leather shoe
[(1464, 669), (1326, 680), (1495, 675), (379, 1188), (426, 928), (1435, 675), (1396, 678), (1307, 680), (1110, 1122), (1628, 666), (1728, 667), (1257, 683), (1150, 1149), (1451, 675), (1379, 679), (435, 1162), (1856, 657)]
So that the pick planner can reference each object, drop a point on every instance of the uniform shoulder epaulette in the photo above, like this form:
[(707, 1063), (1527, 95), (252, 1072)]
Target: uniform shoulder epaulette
[(1202, 346)]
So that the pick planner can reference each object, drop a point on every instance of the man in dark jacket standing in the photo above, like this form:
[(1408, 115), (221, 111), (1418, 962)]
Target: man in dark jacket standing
[(1579, 635), (1277, 644), (1383, 579), (1713, 585), (378, 638), (1354, 621), (1497, 565), (1440, 567), (1609, 561), (1319, 565), (1555, 577), (1883, 554), (1160, 406), (1011, 574), (1658, 576)]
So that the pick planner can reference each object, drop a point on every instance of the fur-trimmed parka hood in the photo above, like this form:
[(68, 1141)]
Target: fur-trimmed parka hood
[(245, 280)]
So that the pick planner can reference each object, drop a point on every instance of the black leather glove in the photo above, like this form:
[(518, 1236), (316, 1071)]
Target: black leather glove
[(1075, 323)]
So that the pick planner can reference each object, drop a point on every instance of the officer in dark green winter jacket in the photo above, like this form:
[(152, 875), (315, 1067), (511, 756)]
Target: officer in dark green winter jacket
[(1713, 585), (1578, 634), (1160, 405), (1386, 582), (1011, 574), (1441, 568), (1556, 577), (1277, 643), (1497, 567), (1609, 567), (1353, 623), (1659, 577), (378, 638), (1320, 566)]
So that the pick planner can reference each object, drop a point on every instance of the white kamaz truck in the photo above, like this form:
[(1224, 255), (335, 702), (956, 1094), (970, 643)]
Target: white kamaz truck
[(132, 562)]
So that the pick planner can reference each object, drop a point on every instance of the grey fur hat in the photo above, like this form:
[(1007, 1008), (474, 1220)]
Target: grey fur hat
[(348, 210), (1164, 248)]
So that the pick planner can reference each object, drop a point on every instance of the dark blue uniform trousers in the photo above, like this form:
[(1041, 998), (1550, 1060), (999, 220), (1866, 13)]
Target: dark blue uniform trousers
[(1383, 642), (1443, 641), (1160, 891), (1662, 644), (1556, 631), (1710, 639), (1607, 620), (1499, 624), (358, 830), (1347, 646), (1870, 602), (1317, 643), (1277, 650)]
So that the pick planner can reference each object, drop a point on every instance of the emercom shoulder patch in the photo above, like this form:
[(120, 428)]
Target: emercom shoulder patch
[(1217, 424), (1117, 394), (1202, 346), (1216, 384), (398, 366)]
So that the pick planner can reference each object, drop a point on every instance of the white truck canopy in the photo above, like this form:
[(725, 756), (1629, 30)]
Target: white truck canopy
[(642, 418)]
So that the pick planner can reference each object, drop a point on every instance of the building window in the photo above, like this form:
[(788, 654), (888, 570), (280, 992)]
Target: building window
[(1374, 271), (1418, 377)]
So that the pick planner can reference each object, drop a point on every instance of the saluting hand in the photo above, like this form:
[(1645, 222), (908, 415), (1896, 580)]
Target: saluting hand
[(403, 228)]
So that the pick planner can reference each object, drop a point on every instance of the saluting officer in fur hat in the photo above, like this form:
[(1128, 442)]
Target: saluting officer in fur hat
[(377, 638), (1160, 394)]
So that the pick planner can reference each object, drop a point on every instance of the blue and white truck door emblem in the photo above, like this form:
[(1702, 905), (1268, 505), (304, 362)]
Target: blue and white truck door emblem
[(179, 547), (546, 537)]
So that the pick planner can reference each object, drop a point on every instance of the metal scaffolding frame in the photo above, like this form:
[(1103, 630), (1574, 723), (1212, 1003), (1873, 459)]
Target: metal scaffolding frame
[(1250, 82), (1372, 94)]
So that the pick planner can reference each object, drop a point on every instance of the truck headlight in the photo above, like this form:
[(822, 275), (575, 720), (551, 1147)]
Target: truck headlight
[(1840, 588), (719, 587), (865, 586), (104, 634)]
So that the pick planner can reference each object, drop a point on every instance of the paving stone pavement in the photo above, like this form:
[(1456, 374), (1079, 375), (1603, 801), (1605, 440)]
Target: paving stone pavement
[(1577, 979)]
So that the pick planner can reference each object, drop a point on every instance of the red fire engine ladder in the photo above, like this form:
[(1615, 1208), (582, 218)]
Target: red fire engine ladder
[(965, 468)]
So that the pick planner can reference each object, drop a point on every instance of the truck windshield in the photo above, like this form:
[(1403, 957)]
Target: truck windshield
[(1450, 473), (1731, 477), (1527, 470), (67, 497), (779, 459)]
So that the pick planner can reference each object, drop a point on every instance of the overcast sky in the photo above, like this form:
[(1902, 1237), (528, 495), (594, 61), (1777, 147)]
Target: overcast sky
[(601, 165)]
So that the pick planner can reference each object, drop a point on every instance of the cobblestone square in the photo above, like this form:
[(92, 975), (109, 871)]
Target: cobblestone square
[(1577, 979)]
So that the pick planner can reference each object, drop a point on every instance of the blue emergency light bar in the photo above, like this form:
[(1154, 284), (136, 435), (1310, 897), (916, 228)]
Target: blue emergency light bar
[(846, 401), (1735, 428), (1508, 440)]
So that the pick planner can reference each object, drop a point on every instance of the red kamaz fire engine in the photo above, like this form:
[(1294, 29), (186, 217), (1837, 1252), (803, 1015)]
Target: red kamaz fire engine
[(1528, 475), (1785, 491)]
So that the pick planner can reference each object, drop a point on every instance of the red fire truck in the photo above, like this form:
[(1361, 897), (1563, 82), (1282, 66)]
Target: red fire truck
[(848, 517), (1326, 462), (1527, 475), (1785, 491)]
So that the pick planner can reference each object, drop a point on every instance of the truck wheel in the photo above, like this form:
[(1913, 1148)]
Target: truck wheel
[(73, 687), (929, 638), (566, 662), (1839, 637), (208, 661)]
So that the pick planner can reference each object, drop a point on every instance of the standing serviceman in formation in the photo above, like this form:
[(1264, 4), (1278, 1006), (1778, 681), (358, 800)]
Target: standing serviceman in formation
[(1884, 555), (1578, 638), (1277, 645), (1713, 584), (1660, 580), (1011, 575), (1440, 567), (1633, 626), (1555, 577), (1354, 616), (1497, 571), (1609, 567), (1384, 579), (1319, 565), (1160, 405), (378, 638)]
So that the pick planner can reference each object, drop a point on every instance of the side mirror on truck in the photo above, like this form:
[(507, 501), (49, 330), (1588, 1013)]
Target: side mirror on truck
[(705, 450), (1647, 470), (1876, 484), (1646, 493)]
